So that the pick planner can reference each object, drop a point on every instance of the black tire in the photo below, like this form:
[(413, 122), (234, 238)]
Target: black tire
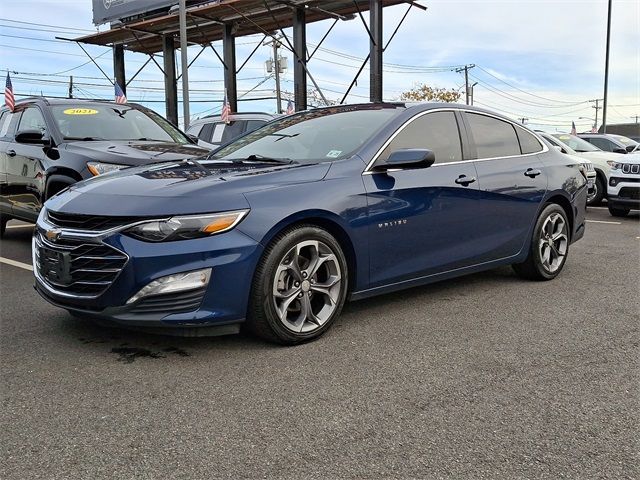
[(262, 317), (618, 211), (597, 198), (532, 268), (3, 225)]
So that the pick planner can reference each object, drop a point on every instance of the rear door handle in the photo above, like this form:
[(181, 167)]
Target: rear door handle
[(465, 181), (531, 173), (11, 153)]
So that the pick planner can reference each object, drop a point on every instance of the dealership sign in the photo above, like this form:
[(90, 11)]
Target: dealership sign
[(109, 10)]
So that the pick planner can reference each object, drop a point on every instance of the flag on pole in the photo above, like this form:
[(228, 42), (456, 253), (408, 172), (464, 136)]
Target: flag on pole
[(573, 128), (225, 115), (9, 99), (120, 96), (594, 129), (290, 108)]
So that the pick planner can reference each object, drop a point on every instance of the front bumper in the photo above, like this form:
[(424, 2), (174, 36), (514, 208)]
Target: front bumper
[(232, 257), (624, 191)]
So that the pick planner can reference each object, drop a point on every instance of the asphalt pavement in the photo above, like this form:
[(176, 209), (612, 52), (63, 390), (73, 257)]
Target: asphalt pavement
[(486, 376)]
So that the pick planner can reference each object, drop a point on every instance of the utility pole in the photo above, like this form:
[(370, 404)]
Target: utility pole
[(70, 86), (606, 71), (636, 117), (523, 120), (184, 61), (276, 64), (466, 69), (597, 107)]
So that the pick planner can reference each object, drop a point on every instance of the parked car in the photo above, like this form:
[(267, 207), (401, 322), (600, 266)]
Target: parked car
[(602, 161), (48, 144), (610, 142), (624, 186), (278, 228), (630, 130), (211, 132), (592, 192)]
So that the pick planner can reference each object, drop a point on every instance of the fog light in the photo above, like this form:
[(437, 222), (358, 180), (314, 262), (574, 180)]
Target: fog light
[(613, 182), (174, 283)]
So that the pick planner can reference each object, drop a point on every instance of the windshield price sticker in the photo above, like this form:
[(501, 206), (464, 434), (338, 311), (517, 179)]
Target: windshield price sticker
[(80, 111), (334, 153)]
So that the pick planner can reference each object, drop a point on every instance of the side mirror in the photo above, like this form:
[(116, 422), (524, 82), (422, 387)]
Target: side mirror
[(559, 148), (33, 137), (631, 148), (409, 158), (619, 150)]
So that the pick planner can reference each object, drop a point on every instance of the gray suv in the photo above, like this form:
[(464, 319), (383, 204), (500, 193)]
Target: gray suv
[(211, 132)]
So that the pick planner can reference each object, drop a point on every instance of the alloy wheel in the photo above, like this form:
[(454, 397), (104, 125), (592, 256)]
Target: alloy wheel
[(553, 242), (307, 286)]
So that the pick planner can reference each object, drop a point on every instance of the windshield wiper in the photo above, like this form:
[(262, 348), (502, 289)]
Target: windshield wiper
[(254, 158), (85, 139), (197, 164)]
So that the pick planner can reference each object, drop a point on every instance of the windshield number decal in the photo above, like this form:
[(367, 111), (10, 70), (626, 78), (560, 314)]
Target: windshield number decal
[(334, 153), (80, 111)]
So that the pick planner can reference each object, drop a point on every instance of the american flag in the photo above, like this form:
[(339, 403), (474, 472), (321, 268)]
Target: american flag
[(594, 129), (9, 99), (573, 128), (225, 116), (120, 96), (290, 108)]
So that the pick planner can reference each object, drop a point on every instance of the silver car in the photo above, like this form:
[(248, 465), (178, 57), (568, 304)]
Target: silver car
[(211, 132)]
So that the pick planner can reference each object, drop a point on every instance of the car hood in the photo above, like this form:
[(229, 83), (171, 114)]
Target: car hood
[(179, 188), (134, 152)]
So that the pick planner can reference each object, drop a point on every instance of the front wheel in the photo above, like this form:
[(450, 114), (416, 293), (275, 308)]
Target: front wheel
[(549, 246), (618, 211), (3, 224), (598, 193), (299, 287)]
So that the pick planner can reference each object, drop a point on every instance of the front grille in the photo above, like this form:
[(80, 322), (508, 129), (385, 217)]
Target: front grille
[(588, 166), (88, 222), (630, 168), (179, 302), (628, 192), (77, 268)]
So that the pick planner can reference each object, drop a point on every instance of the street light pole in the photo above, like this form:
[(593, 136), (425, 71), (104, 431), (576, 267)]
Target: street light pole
[(606, 71)]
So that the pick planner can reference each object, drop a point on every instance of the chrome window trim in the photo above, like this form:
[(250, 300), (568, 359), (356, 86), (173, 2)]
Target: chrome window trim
[(368, 171)]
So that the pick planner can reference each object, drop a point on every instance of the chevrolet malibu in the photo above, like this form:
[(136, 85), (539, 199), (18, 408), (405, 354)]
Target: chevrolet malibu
[(276, 230)]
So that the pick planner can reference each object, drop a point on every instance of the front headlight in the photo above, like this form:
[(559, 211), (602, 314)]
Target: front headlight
[(186, 227), (614, 165), (98, 168)]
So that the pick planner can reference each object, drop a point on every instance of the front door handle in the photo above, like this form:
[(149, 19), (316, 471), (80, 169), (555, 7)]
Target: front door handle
[(465, 181), (531, 173), (11, 153)]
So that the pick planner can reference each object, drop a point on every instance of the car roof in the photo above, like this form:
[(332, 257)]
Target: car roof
[(68, 101)]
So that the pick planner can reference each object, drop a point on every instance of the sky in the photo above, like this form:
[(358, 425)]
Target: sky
[(542, 60)]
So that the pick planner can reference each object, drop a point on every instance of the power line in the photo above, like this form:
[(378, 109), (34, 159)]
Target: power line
[(45, 25)]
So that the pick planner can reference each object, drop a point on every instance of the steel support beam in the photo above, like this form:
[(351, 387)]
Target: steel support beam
[(300, 53), (229, 55), (118, 67), (170, 81), (375, 50)]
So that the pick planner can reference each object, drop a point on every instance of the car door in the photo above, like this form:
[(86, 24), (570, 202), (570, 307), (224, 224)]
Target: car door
[(512, 183), (25, 167), (5, 119), (422, 221)]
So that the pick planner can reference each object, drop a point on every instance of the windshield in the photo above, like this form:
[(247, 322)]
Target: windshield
[(576, 143), (322, 135), (625, 140), (102, 121)]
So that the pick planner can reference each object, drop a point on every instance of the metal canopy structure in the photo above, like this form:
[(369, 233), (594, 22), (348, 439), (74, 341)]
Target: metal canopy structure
[(228, 19)]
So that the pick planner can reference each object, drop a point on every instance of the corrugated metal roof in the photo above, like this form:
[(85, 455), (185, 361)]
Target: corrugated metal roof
[(205, 22)]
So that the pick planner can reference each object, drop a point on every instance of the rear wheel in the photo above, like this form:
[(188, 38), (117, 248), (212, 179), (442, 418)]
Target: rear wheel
[(618, 211), (549, 246), (299, 286), (3, 224)]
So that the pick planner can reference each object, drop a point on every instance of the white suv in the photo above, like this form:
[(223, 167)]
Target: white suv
[(624, 185)]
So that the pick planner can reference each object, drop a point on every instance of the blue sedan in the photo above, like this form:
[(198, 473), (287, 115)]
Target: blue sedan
[(277, 229)]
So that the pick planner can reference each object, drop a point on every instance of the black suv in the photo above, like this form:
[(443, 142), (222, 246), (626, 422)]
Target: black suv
[(49, 144)]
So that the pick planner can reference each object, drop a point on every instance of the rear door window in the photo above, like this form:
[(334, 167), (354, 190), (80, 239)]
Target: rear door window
[(233, 130), (493, 137), (254, 124), (602, 143), (206, 132)]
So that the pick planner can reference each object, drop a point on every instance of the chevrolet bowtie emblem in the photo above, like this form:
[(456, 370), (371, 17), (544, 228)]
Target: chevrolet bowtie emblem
[(52, 234)]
